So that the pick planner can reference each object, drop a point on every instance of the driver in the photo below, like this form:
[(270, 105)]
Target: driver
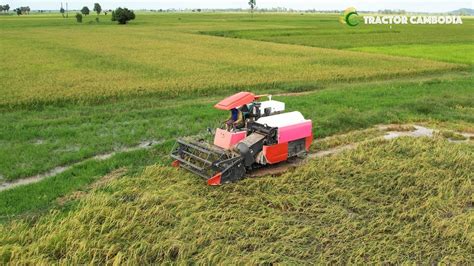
[(235, 120)]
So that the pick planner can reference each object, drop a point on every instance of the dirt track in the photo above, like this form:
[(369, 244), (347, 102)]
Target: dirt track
[(419, 131), (60, 169)]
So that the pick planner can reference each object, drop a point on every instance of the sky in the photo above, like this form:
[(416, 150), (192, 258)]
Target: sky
[(365, 5)]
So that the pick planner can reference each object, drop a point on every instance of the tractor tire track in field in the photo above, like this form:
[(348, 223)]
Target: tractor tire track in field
[(60, 169), (280, 168)]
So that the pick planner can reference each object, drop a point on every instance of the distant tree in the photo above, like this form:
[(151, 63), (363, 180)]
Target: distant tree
[(6, 8), (18, 11), (85, 11), (27, 10), (252, 4), (61, 10), (1, 8), (123, 15), (97, 8), (79, 17)]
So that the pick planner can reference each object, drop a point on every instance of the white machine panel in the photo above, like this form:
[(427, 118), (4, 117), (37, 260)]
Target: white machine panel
[(282, 120), (275, 106)]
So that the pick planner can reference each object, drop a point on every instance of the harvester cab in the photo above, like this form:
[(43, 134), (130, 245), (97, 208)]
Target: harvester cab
[(267, 136)]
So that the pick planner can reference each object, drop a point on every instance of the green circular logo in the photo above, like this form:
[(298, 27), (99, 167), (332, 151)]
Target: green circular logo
[(350, 17)]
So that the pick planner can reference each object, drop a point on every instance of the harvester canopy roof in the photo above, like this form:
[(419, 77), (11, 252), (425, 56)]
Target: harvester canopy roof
[(236, 100)]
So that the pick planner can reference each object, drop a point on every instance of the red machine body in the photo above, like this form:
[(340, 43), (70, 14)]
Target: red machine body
[(236, 100), (270, 136)]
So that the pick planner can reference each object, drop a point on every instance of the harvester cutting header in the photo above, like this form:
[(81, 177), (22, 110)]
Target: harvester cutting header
[(255, 135)]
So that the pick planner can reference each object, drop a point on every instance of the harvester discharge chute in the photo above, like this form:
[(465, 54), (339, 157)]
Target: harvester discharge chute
[(256, 134)]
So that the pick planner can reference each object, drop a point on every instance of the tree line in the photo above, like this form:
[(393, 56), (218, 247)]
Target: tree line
[(24, 10), (4, 8), (120, 15)]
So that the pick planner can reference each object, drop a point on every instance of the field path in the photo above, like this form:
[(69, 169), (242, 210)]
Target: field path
[(419, 131), (57, 170)]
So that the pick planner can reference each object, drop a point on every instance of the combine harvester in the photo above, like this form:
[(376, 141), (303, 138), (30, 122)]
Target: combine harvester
[(268, 136)]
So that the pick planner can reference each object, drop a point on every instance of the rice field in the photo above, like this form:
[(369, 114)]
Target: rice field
[(455, 52), (401, 201), (75, 91), (56, 63), (321, 31)]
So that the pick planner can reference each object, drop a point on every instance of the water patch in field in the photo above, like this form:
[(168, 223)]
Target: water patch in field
[(68, 148), (39, 141), (33, 179), (418, 132), (143, 145), (60, 169)]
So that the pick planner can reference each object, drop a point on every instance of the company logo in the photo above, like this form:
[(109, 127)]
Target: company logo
[(349, 17), (352, 18), (412, 20)]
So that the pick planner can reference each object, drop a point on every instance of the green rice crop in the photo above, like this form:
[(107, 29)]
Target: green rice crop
[(450, 43), (326, 31), (458, 53)]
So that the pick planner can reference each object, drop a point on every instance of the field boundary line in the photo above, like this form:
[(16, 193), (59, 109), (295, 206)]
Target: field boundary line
[(60, 169)]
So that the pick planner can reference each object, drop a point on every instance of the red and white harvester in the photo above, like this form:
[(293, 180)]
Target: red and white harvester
[(270, 136)]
